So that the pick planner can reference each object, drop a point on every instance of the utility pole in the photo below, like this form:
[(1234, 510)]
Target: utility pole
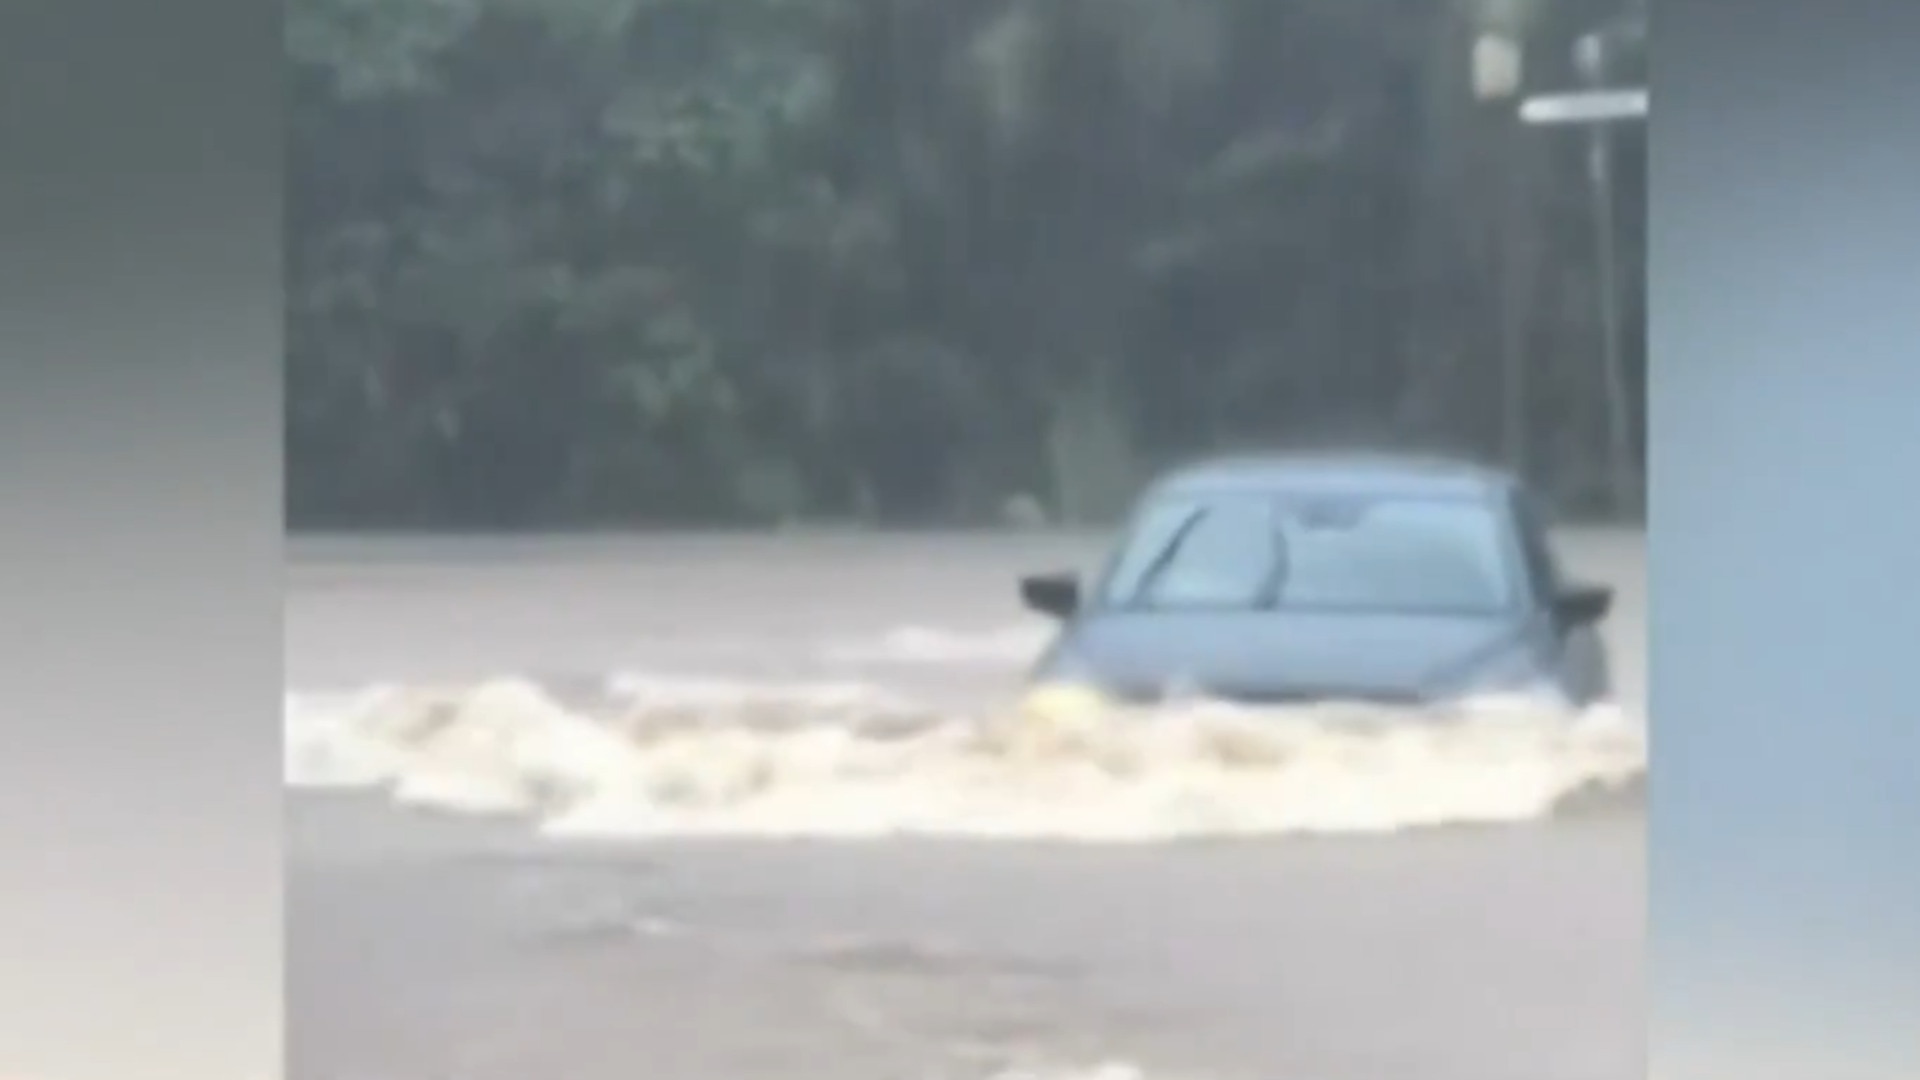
[(1596, 109), (1498, 69)]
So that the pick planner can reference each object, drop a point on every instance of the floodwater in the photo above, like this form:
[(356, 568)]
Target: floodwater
[(718, 807)]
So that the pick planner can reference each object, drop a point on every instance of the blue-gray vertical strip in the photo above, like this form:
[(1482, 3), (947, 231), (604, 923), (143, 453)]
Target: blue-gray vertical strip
[(139, 540), (1785, 518)]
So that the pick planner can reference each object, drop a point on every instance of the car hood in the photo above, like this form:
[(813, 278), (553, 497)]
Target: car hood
[(1265, 656)]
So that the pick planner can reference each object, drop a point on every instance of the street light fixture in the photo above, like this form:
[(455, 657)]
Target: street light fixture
[(1587, 107)]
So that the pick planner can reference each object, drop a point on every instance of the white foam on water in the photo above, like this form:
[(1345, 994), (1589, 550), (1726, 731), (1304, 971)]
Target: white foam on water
[(934, 646), (1106, 1070), (677, 758), (731, 700)]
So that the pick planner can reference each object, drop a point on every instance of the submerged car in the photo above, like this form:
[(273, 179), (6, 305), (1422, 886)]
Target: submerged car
[(1292, 579)]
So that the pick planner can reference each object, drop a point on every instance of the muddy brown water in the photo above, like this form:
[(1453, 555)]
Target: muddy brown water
[(424, 947)]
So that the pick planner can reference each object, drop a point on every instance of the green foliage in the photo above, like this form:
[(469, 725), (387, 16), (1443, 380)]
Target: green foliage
[(575, 261)]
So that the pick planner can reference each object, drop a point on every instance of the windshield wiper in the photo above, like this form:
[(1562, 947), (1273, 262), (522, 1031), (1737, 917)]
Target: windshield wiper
[(1150, 576), (1275, 584)]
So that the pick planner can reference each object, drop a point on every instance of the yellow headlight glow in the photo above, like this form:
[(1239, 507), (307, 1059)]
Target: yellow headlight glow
[(1068, 703)]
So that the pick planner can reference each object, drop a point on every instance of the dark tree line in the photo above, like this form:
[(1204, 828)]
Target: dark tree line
[(570, 262)]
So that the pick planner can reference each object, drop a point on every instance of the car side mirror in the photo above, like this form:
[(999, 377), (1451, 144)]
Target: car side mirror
[(1582, 605), (1056, 595)]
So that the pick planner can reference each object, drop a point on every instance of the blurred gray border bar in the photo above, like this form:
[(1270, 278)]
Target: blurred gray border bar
[(140, 462), (1785, 420)]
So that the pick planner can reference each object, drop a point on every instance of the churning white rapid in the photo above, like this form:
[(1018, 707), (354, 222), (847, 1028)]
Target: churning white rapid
[(655, 757)]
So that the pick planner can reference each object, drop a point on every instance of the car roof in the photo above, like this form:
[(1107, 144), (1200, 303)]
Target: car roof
[(1342, 473)]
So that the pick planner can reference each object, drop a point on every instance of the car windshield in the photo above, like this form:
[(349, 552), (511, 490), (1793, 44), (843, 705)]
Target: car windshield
[(1342, 554)]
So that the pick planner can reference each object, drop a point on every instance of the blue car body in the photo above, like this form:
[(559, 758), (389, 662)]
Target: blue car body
[(1356, 529)]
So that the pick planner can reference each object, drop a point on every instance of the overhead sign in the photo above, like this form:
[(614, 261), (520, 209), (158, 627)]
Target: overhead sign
[(1585, 107)]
